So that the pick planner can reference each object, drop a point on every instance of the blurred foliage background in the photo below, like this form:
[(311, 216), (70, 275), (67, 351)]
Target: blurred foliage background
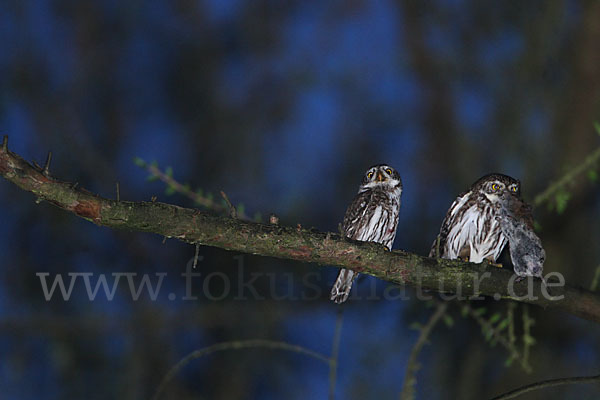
[(283, 105)]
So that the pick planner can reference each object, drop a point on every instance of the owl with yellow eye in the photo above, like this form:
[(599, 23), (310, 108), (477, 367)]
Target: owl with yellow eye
[(372, 216), (471, 230)]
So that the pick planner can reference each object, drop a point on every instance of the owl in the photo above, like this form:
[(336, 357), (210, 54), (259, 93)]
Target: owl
[(470, 230), (516, 223), (371, 217)]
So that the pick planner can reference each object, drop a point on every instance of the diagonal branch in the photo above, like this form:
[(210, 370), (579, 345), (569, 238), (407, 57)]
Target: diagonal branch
[(408, 387), (588, 163), (546, 384), (293, 243)]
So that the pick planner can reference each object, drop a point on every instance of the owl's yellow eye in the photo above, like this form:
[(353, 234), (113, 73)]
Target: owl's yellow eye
[(370, 174), (389, 171), (514, 189), (495, 187)]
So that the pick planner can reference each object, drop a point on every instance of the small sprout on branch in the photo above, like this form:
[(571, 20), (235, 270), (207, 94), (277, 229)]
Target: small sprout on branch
[(562, 198), (139, 162), (232, 211), (46, 170), (169, 190), (448, 320), (273, 219), (151, 178)]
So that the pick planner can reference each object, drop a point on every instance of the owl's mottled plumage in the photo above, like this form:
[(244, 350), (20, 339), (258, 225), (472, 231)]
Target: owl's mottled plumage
[(470, 230), (516, 223), (371, 217)]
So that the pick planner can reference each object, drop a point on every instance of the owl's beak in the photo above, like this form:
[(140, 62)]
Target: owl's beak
[(380, 177)]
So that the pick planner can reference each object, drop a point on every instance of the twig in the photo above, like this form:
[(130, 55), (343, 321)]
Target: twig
[(118, 191), (335, 351), (232, 210), (528, 340), (195, 255), (205, 201), (235, 345), (408, 387), (510, 314), (5, 143), (488, 327), (567, 178), (546, 384), (46, 170)]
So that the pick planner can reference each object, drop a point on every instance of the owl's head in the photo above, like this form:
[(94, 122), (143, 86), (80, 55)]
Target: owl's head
[(383, 176), (494, 186)]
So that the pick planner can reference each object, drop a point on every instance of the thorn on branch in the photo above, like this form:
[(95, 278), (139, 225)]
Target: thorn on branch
[(74, 185), (299, 228), (153, 199), (118, 192), (5, 143), (164, 240), (273, 219), (38, 166), (232, 210), (46, 170)]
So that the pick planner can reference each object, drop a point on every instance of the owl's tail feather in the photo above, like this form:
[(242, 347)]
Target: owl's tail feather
[(341, 288)]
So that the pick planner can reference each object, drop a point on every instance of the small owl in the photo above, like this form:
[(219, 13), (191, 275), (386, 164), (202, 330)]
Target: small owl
[(371, 217), (470, 230), (516, 223)]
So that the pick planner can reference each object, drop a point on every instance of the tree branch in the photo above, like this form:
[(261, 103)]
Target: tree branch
[(235, 345), (408, 387), (588, 163), (546, 384), (293, 243)]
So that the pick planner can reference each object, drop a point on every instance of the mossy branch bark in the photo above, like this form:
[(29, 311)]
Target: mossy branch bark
[(293, 243)]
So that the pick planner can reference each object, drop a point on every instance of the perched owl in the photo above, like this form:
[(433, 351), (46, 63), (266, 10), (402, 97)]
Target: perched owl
[(371, 217), (516, 223), (470, 230)]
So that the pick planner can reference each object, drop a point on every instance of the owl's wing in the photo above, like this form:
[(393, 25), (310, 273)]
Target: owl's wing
[(456, 211), (356, 210)]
